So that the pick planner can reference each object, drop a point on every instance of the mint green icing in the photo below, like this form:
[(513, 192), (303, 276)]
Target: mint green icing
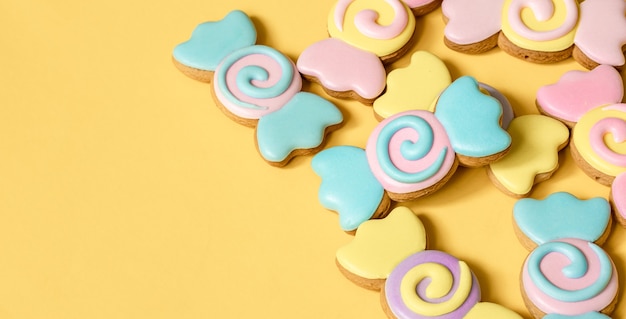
[(348, 186), (562, 215), (588, 315), (212, 41), (577, 268), (472, 119), (300, 124)]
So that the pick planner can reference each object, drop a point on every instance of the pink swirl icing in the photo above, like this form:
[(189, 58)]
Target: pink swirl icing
[(614, 126), (402, 136), (366, 20), (552, 267), (543, 10)]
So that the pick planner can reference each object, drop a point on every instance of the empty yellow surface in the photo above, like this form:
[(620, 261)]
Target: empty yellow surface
[(125, 193)]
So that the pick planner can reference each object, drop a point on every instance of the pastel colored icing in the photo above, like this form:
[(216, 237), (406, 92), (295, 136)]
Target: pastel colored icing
[(299, 124), (348, 186), (507, 109), (618, 192), (463, 108), (379, 245), (380, 27), (415, 87), (535, 142), (471, 22), (562, 215), (540, 25), (601, 32), (409, 151), (417, 3), (569, 277), (600, 137), (341, 67), (577, 92), (212, 41), (488, 310), (255, 81), (431, 284), (588, 315)]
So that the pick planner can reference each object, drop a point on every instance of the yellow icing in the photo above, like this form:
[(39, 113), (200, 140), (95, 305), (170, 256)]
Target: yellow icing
[(530, 21), (487, 310), (534, 150), (381, 244), (353, 36), (580, 134), (415, 87), (442, 283)]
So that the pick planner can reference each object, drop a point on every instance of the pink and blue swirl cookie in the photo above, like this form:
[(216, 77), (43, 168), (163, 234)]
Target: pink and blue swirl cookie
[(566, 272)]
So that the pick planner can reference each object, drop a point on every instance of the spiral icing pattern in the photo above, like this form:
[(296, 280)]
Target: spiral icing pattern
[(431, 284), (542, 25), (600, 137), (409, 151), (569, 277), (378, 26), (255, 81)]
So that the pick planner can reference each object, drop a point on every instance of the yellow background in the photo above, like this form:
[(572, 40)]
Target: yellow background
[(125, 193)]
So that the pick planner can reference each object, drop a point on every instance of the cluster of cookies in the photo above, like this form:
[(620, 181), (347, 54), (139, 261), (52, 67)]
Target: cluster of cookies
[(435, 125), (541, 31)]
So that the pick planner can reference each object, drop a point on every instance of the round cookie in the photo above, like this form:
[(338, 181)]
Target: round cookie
[(569, 277), (598, 143)]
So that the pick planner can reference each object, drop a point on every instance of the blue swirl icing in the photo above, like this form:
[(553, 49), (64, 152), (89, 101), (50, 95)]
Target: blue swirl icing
[(576, 269), (300, 124), (588, 315), (212, 41), (348, 186), (562, 215), (472, 119), (409, 150)]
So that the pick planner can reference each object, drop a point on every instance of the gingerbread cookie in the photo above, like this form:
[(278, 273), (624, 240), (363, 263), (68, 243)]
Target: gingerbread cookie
[(567, 273), (593, 31), (257, 86)]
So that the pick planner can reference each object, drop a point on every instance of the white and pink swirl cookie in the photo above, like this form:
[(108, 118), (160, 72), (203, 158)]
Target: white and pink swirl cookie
[(433, 284)]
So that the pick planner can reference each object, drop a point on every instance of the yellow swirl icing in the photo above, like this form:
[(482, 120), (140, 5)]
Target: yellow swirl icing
[(581, 134), (529, 19), (350, 33), (442, 284)]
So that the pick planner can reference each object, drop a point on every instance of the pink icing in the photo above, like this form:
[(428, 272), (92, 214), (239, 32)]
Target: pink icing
[(472, 21), (440, 142), (366, 20), (417, 3), (268, 105), (543, 11), (618, 194), (602, 31), (614, 126), (577, 92), (341, 67), (552, 266)]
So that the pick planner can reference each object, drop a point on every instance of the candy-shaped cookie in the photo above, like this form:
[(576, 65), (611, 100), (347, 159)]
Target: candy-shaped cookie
[(364, 35), (533, 157), (540, 31), (434, 284), (257, 86), (566, 273)]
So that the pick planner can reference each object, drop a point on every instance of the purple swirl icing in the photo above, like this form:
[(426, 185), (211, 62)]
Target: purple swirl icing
[(392, 286)]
